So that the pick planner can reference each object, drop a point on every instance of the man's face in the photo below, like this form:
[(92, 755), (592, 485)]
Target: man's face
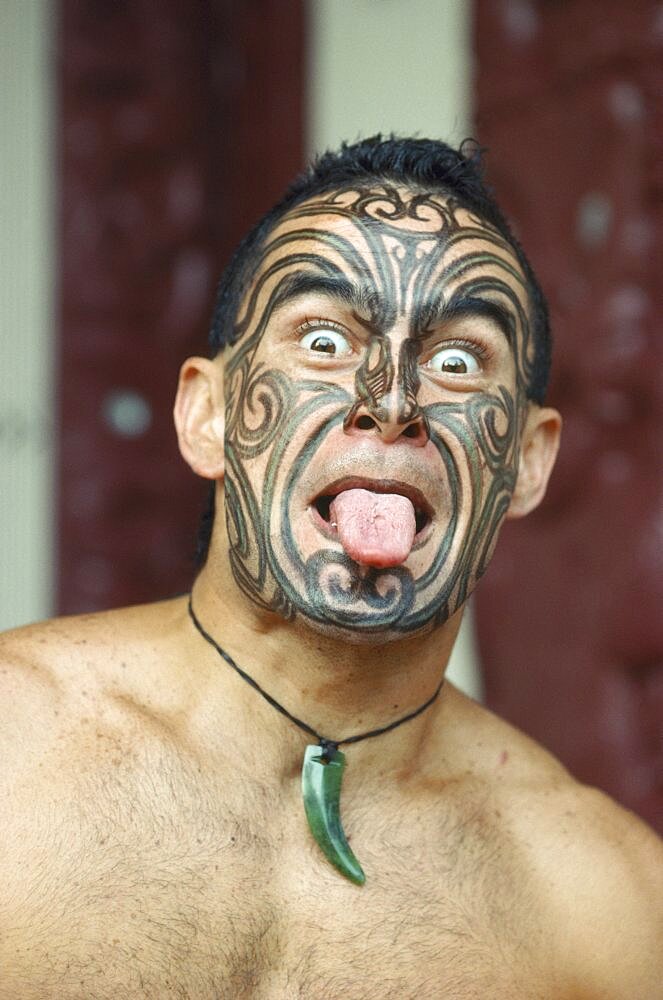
[(383, 351)]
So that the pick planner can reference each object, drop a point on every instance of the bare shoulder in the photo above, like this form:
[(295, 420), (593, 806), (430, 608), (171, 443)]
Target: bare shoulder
[(59, 644), (594, 868), (602, 869), (54, 671), (82, 699)]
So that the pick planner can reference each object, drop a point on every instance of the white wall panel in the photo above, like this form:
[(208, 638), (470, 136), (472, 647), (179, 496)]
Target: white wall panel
[(388, 65), (26, 312)]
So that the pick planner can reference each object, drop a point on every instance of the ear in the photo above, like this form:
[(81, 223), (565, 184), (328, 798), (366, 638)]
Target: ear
[(538, 450), (200, 417)]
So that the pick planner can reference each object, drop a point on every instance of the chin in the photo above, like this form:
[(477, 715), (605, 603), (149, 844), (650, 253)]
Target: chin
[(368, 633)]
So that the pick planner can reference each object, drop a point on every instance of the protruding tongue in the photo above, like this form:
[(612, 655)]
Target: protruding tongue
[(376, 529)]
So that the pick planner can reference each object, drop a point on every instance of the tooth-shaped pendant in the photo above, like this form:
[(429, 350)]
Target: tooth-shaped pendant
[(321, 790)]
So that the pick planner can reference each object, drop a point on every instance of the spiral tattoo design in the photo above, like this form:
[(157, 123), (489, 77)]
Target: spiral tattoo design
[(397, 254)]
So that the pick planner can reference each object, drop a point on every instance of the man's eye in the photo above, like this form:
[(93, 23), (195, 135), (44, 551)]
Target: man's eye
[(454, 361), (326, 342)]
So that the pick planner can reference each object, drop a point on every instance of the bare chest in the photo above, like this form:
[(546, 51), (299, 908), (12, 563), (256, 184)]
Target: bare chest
[(209, 895)]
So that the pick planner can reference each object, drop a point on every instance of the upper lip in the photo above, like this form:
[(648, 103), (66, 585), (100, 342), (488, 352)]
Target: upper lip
[(413, 493)]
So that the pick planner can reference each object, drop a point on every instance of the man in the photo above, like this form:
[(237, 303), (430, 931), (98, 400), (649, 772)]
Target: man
[(372, 413)]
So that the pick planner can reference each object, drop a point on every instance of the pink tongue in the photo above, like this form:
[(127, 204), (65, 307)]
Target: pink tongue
[(376, 529)]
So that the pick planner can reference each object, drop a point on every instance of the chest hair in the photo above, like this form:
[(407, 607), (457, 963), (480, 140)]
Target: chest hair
[(148, 881)]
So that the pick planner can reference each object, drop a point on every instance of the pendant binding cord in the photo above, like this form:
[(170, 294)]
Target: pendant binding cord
[(328, 747)]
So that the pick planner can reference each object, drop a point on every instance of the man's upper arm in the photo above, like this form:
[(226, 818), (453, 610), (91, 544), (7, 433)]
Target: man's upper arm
[(615, 904)]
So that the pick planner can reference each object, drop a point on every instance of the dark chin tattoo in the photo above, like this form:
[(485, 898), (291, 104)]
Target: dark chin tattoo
[(277, 424)]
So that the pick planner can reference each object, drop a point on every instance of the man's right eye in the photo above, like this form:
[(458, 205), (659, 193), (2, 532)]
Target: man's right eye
[(326, 342)]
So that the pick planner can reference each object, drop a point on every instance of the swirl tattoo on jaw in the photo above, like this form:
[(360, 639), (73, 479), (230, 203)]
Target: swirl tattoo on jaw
[(390, 255)]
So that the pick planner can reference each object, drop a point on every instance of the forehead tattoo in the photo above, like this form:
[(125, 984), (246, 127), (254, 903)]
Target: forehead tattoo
[(398, 254)]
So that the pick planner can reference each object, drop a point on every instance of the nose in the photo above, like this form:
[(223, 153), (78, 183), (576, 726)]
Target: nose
[(389, 422), (386, 400)]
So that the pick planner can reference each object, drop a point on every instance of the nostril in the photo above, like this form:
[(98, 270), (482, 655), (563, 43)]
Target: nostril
[(365, 423), (412, 431)]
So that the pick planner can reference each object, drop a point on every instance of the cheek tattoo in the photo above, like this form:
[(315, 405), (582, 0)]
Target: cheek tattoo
[(413, 246)]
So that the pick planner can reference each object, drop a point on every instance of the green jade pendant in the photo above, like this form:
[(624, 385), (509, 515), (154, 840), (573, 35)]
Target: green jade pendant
[(321, 791), (322, 771)]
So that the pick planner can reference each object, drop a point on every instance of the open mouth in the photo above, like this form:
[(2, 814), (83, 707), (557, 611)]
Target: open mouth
[(423, 513)]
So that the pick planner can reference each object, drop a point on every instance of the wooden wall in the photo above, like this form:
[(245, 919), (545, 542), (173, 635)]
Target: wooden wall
[(569, 100), (179, 124)]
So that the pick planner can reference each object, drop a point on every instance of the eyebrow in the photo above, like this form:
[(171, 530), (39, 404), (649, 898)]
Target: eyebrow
[(361, 298), (461, 307), (365, 299)]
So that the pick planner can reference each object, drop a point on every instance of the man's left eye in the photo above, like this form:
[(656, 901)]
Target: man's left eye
[(454, 361), (326, 342)]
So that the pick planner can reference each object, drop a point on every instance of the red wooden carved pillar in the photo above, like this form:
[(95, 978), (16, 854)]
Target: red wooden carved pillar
[(570, 616), (179, 123)]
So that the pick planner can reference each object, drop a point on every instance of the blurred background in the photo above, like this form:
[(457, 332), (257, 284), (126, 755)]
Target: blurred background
[(140, 138)]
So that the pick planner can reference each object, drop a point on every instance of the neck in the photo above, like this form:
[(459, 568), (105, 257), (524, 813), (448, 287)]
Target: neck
[(339, 689)]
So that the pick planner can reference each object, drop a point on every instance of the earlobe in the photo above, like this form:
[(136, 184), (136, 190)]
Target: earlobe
[(199, 416), (540, 443)]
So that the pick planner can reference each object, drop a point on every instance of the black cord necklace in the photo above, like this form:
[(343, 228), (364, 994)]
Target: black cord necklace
[(322, 770)]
